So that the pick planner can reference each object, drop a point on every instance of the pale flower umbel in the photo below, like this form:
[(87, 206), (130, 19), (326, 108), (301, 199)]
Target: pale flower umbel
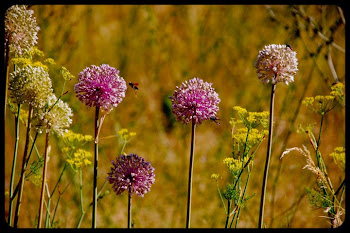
[(276, 63)]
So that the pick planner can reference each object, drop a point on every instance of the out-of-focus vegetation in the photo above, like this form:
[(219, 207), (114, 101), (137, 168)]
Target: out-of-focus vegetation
[(159, 47)]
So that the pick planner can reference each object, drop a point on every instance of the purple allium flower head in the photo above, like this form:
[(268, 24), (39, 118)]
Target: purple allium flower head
[(195, 99), (100, 86), (276, 63), (131, 171)]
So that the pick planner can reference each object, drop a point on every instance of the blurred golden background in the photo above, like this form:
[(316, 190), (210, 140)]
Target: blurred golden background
[(159, 47)]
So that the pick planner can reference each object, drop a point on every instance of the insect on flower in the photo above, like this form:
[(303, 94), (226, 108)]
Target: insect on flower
[(215, 119), (288, 46)]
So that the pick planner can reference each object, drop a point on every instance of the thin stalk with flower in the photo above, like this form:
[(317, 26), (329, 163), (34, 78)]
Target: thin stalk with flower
[(134, 174), (21, 31), (103, 88), (275, 63), (194, 102)]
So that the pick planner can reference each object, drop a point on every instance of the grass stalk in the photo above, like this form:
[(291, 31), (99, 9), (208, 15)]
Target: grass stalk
[(267, 163), (189, 196)]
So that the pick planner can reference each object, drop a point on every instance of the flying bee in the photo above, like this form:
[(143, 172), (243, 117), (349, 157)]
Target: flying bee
[(215, 119), (288, 46), (134, 86)]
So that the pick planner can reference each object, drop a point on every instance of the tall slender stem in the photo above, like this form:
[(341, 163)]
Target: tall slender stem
[(94, 207), (14, 164), (242, 198), (129, 208), (189, 197), (6, 66), (44, 178), (24, 167), (266, 170), (81, 198), (228, 213)]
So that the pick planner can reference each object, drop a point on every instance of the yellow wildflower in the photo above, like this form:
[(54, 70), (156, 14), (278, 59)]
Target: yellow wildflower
[(250, 119), (36, 179), (235, 165), (322, 104), (35, 51), (66, 74), (74, 140), (50, 61), (254, 136), (240, 110), (339, 157), (125, 135), (215, 176), (79, 158)]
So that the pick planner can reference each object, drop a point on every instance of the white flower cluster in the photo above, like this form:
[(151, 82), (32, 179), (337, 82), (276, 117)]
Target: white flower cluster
[(21, 29), (276, 63), (55, 115), (30, 84)]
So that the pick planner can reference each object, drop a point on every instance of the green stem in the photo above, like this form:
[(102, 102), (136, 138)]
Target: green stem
[(129, 208), (44, 178), (228, 213), (59, 197), (21, 181), (81, 198), (318, 144), (26, 164), (217, 185), (94, 207), (47, 218), (55, 211), (47, 221), (189, 197), (267, 163), (242, 198), (14, 164), (121, 152), (59, 179)]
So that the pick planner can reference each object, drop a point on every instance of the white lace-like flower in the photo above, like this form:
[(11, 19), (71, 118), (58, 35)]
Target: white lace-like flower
[(21, 29), (276, 63)]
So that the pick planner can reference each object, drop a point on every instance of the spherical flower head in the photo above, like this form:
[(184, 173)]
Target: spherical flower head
[(56, 115), (195, 100), (21, 29), (100, 86), (30, 84), (131, 172), (276, 63)]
